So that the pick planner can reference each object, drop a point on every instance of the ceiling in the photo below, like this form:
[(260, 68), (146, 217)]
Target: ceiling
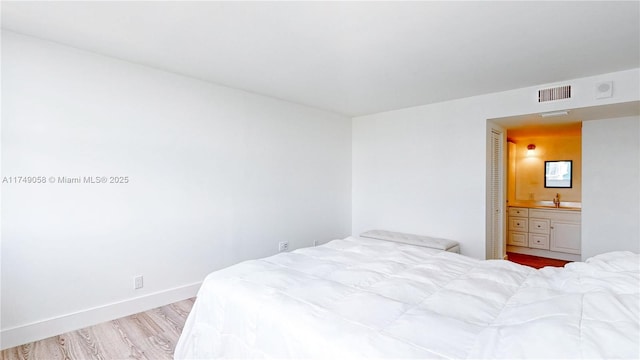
[(353, 58)]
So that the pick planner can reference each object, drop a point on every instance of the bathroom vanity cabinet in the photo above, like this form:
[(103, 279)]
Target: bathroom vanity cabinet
[(553, 233)]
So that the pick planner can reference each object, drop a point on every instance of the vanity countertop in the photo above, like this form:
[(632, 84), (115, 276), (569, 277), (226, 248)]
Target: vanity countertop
[(566, 206)]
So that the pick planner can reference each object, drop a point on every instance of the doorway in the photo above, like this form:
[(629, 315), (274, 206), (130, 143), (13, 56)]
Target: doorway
[(545, 196), (539, 218)]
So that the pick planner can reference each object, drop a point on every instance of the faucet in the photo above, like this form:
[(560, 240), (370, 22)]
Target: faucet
[(556, 200)]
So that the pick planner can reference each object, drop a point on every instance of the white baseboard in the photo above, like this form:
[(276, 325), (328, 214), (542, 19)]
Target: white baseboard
[(70, 322)]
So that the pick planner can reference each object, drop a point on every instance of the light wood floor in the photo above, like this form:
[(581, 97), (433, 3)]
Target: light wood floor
[(149, 335)]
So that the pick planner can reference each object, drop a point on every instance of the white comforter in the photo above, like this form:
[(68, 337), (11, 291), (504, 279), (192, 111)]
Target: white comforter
[(368, 298)]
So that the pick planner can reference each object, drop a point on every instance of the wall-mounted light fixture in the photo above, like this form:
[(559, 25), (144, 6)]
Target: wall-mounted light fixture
[(531, 149), (555, 113)]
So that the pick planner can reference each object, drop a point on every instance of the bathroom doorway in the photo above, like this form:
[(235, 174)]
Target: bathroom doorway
[(549, 231), (540, 218)]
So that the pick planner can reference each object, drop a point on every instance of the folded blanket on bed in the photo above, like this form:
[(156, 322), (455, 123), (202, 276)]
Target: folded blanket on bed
[(413, 239)]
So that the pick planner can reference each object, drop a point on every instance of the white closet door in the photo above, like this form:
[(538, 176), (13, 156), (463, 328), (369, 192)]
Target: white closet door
[(495, 240)]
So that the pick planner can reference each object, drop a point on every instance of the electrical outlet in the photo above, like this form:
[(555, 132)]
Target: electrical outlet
[(283, 246), (138, 282)]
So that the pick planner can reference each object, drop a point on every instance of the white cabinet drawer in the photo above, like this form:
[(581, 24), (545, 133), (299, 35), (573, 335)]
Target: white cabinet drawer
[(539, 241), (518, 212), (539, 226), (517, 238), (518, 224), (565, 215)]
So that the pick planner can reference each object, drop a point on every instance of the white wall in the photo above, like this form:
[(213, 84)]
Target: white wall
[(419, 170), (611, 173), (423, 169), (216, 176)]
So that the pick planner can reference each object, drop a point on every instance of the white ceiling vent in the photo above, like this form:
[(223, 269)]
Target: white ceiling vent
[(556, 93)]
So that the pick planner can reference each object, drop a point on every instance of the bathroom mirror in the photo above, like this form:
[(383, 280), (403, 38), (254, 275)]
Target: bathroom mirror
[(557, 174)]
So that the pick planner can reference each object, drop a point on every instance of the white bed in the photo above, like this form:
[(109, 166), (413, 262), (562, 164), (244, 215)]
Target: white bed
[(366, 298)]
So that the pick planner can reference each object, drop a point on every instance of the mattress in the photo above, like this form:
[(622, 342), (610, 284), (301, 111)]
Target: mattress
[(364, 298)]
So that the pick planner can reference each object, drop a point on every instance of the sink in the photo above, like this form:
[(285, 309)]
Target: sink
[(567, 206), (557, 208)]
